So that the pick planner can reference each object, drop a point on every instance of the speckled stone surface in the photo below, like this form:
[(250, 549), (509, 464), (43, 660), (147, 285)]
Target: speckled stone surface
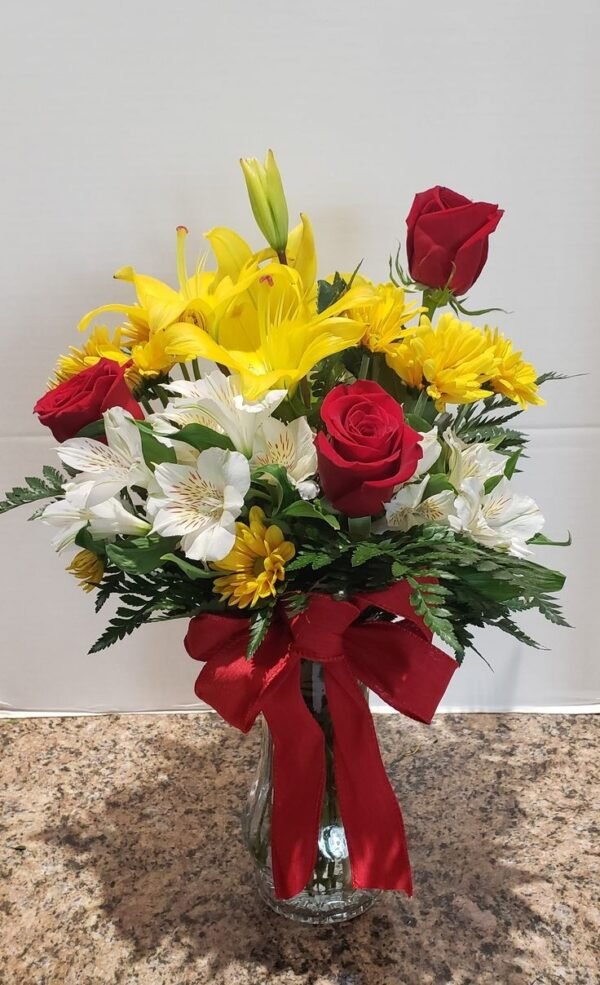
[(122, 858)]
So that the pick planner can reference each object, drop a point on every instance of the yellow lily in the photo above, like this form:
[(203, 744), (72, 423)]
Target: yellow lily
[(267, 199), (160, 307), (301, 252), (270, 335)]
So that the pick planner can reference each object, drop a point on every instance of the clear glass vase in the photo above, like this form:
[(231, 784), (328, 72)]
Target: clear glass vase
[(329, 896)]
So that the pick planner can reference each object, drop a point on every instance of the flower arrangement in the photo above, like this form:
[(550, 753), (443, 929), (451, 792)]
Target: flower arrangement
[(271, 455)]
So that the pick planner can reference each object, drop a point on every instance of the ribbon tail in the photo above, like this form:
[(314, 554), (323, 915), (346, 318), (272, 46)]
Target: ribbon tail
[(298, 783), (370, 812)]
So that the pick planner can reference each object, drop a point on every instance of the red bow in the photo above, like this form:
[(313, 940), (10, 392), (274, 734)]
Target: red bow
[(396, 660)]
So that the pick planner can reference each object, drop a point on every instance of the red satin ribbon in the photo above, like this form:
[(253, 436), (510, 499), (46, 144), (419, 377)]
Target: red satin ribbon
[(396, 660)]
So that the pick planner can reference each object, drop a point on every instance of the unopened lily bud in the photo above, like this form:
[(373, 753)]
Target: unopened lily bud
[(267, 199)]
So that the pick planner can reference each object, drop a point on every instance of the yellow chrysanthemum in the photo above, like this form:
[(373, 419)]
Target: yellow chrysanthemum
[(88, 569), (513, 377), (452, 361), (384, 320), (255, 564), (99, 345)]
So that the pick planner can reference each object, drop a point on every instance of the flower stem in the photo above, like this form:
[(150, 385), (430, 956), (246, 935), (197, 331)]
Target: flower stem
[(282, 257), (305, 391), (429, 302), (196, 369), (365, 362), (146, 404), (184, 371)]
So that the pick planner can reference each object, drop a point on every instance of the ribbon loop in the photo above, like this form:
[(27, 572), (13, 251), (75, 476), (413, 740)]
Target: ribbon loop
[(395, 659)]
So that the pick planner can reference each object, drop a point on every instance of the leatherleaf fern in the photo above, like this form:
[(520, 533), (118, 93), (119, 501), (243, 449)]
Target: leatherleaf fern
[(456, 584)]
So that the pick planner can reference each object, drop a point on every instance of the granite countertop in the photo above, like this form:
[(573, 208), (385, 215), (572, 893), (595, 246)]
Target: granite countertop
[(122, 859)]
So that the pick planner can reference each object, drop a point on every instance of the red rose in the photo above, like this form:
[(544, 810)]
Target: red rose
[(447, 238), (368, 450), (71, 405)]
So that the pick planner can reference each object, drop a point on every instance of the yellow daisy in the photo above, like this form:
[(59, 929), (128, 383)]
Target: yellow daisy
[(100, 345), (452, 361), (513, 377), (88, 569), (385, 319), (255, 564)]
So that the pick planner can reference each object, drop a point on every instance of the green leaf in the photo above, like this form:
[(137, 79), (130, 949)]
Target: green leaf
[(193, 571), (302, 508), (511, 464), (85, 540), (94, 430), (53, 476), (202, 437), (274, 479), (328, 294), (310, 559), (435, 617), (359, 527), (438, 482), (490, 484), (367, 551), (140, 555), (155, 452), (36, 488), (260, 620), (546, 542), (418, 423), (546, 377)]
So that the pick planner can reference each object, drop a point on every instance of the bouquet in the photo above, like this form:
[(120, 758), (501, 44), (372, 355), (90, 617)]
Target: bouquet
[(316, 473)]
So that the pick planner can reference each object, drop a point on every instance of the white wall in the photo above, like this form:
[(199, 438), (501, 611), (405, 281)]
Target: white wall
[(122, 119)]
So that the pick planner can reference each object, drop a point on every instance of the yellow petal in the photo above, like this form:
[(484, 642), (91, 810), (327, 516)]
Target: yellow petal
[(301, 252), (185, 341), (230, 250)]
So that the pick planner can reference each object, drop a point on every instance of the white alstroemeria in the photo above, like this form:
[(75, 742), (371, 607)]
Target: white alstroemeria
[(431, 452), (500, 519), (407, 508), (220, 398), (179, 415), (471, 461), (201, 503), (105, 521), (106, 469), (292, 446)]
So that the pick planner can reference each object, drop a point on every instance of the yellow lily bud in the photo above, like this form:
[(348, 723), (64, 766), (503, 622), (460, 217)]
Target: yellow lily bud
[(267, 199)]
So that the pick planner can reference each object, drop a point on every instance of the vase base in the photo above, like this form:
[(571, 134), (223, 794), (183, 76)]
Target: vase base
[(314, 908)]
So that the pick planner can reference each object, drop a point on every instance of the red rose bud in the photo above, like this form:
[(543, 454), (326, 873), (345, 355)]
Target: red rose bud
[(68, 407), (368, 450), (447, 238)]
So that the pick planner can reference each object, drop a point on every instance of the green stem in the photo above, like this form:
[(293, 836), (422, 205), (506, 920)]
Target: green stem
[(365, 362), (376, 367), (429, 302), (162, 396), (146, 403), (305, 391), (196, 369), (184, 371)]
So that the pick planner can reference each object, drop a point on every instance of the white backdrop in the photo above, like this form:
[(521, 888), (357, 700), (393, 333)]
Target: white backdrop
[(121, 120)]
